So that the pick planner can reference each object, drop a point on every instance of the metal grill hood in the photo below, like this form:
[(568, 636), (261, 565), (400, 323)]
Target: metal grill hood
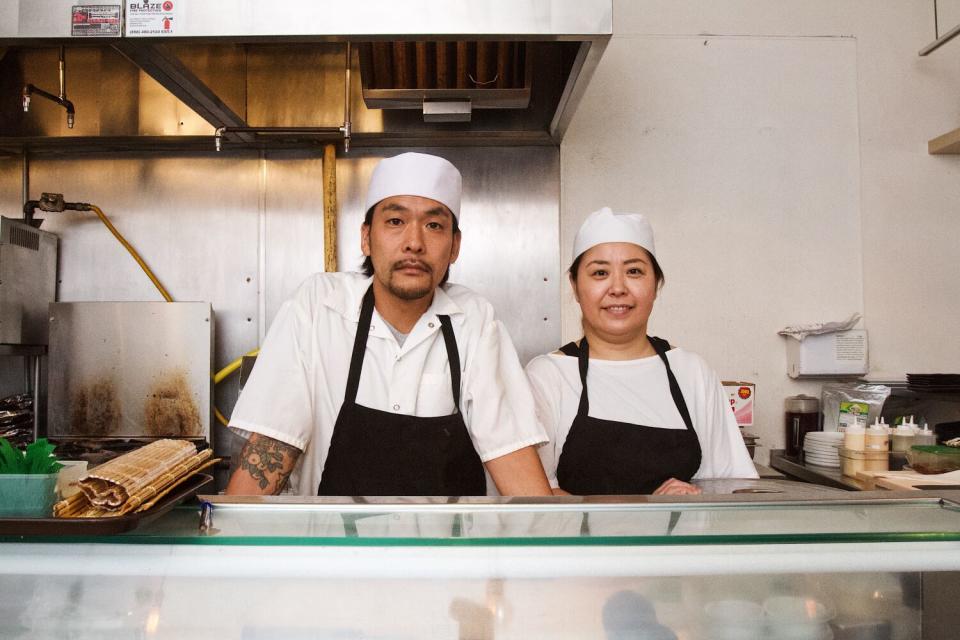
[(280, 64)]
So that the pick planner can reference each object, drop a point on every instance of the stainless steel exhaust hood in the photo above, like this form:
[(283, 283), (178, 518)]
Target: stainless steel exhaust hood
[(185, 73)]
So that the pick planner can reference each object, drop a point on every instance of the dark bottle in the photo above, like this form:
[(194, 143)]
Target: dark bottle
[(801, 416)]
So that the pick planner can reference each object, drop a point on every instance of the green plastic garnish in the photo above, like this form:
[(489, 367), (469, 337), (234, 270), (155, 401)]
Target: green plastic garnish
[(38, 459)]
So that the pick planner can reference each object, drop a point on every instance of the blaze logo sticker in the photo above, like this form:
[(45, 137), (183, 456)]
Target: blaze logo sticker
[(168, 6), (744, 392)]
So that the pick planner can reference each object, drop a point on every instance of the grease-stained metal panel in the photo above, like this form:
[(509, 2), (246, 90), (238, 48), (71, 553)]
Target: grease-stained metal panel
[(11, 186), (295, 85), (160, 113), (193, 219), (130, 369)]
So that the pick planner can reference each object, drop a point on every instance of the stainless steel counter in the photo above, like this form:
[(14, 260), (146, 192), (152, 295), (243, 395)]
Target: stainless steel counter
[(825, 476)]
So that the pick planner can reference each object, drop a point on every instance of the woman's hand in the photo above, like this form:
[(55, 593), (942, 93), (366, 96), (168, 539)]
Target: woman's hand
[(674, 487)]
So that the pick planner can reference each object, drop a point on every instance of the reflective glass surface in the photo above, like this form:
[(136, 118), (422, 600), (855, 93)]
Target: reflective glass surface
[(552, 524)]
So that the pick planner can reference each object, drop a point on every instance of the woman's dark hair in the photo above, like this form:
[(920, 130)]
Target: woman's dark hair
[(367, 266), (657, 271)]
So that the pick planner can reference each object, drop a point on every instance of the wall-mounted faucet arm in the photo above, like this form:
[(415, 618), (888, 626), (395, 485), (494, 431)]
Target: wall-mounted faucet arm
[(29, 90)]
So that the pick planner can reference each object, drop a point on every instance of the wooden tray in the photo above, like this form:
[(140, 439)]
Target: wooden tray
[(103, 526), (904, 480)]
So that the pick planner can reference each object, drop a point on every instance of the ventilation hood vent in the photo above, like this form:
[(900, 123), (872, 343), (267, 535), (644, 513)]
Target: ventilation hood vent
[(405, 75)]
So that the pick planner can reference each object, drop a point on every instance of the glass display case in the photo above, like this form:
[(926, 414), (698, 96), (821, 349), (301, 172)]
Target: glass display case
[(727, 567)]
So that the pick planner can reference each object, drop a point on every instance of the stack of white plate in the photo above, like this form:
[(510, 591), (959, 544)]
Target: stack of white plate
[(822, 448)]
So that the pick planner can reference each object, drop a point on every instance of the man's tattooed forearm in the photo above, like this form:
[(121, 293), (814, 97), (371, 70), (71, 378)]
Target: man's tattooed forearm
[(264, 456)]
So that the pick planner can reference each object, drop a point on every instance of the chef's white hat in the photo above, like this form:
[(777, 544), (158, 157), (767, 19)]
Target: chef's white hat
[(416, 174), (606, 226)]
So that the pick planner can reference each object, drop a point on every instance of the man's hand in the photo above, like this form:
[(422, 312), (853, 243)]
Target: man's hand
[(674, 487), (265, 465), (519, 474)]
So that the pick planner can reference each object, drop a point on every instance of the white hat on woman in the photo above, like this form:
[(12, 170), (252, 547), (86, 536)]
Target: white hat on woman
[(416, 174), (606, 226)]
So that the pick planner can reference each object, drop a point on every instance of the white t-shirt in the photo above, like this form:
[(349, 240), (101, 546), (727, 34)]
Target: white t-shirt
[(638, 392), (295, 391)]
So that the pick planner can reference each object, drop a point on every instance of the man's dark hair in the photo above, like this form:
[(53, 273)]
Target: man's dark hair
[(657, 271), (367, 266)]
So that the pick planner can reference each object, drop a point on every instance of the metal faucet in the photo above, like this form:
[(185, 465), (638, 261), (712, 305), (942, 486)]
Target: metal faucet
[(29, 90)]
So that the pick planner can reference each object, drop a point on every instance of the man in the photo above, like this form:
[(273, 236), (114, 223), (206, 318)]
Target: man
[(394, 383)]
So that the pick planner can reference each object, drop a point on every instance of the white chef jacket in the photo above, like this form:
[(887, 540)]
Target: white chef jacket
[(638, 392), (296, 388)]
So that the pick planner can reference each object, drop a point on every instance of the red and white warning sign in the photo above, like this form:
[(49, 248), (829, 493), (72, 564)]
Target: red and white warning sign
[(153, 17), (94, 20)]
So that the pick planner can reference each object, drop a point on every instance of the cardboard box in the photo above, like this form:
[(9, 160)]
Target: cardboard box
[(741, 395), (843, 353)]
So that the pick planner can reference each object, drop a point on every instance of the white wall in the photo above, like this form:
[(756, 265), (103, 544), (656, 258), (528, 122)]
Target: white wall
[(780, 151)]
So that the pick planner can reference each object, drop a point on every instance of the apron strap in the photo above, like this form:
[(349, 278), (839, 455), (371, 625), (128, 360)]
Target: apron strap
[(662, 346), (570, 349), (359, 347), (583, 359), (453, 357)]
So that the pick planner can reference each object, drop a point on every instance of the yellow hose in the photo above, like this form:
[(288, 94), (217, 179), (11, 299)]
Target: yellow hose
[(223, 373), (220, 375), (133, 252)]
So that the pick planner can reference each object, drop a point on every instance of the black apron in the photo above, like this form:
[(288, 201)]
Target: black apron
[(377, 453), (605, 457)]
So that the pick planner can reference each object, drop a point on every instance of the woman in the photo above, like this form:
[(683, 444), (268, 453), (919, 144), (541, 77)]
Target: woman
[(625, 412)]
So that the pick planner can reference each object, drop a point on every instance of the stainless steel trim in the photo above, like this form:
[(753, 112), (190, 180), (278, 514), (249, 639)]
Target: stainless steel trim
[(939, 42), (588, 57), (443, 111), (317, 133), (309, 18), (557, 504)]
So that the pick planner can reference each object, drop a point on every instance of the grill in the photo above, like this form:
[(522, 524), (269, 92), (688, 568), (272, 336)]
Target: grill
[(24, 238)]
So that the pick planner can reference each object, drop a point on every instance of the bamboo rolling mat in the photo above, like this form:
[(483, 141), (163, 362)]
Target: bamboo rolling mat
[(135, 481)]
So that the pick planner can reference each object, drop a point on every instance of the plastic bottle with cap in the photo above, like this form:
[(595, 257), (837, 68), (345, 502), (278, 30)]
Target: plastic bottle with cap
[(925, 436), (903, 435), (877, 436), (854, 437)]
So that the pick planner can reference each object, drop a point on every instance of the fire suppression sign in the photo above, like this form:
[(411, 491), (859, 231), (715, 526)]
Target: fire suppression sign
[(152, 17), (94, 20)]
